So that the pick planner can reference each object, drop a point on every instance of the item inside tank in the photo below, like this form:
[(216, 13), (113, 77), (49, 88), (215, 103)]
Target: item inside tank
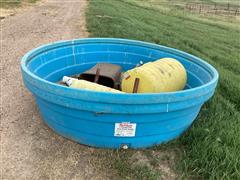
[(163, 75)]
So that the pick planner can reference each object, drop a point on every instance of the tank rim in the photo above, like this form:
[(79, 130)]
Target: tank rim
[(108, 97)]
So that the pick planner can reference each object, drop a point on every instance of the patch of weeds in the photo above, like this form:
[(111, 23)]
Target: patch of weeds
[(129, 168), (10, 4), (7, 4)]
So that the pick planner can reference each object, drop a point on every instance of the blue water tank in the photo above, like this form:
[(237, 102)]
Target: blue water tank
[(110, 120)]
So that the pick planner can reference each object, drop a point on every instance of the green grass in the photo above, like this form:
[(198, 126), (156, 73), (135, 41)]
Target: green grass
[(9, 4), (14, 3), (210, 148)]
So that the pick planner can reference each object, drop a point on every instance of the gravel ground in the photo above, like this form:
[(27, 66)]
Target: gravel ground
[(29, 149)]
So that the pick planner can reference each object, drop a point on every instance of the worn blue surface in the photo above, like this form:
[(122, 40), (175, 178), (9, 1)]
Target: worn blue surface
[(89, 117)]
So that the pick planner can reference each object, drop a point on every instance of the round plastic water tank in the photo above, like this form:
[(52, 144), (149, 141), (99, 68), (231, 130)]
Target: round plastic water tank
[(110, 120)]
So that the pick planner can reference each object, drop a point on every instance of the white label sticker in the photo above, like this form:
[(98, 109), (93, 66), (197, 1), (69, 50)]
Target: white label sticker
[(125, 129)]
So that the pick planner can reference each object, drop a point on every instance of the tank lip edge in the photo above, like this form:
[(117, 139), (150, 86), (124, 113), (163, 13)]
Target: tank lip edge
[(117, 40)]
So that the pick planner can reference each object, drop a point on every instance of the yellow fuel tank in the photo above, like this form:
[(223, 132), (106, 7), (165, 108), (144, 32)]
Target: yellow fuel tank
[(82, 84), (163, 75)]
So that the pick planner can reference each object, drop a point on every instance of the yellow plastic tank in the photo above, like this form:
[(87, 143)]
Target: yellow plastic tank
[(83, 84), (163, 75)]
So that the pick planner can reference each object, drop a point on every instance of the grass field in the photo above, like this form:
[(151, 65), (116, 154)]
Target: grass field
[(210, 148)]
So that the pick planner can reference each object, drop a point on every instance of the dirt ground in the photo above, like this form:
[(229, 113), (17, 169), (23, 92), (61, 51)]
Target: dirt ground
[(29, 149)]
